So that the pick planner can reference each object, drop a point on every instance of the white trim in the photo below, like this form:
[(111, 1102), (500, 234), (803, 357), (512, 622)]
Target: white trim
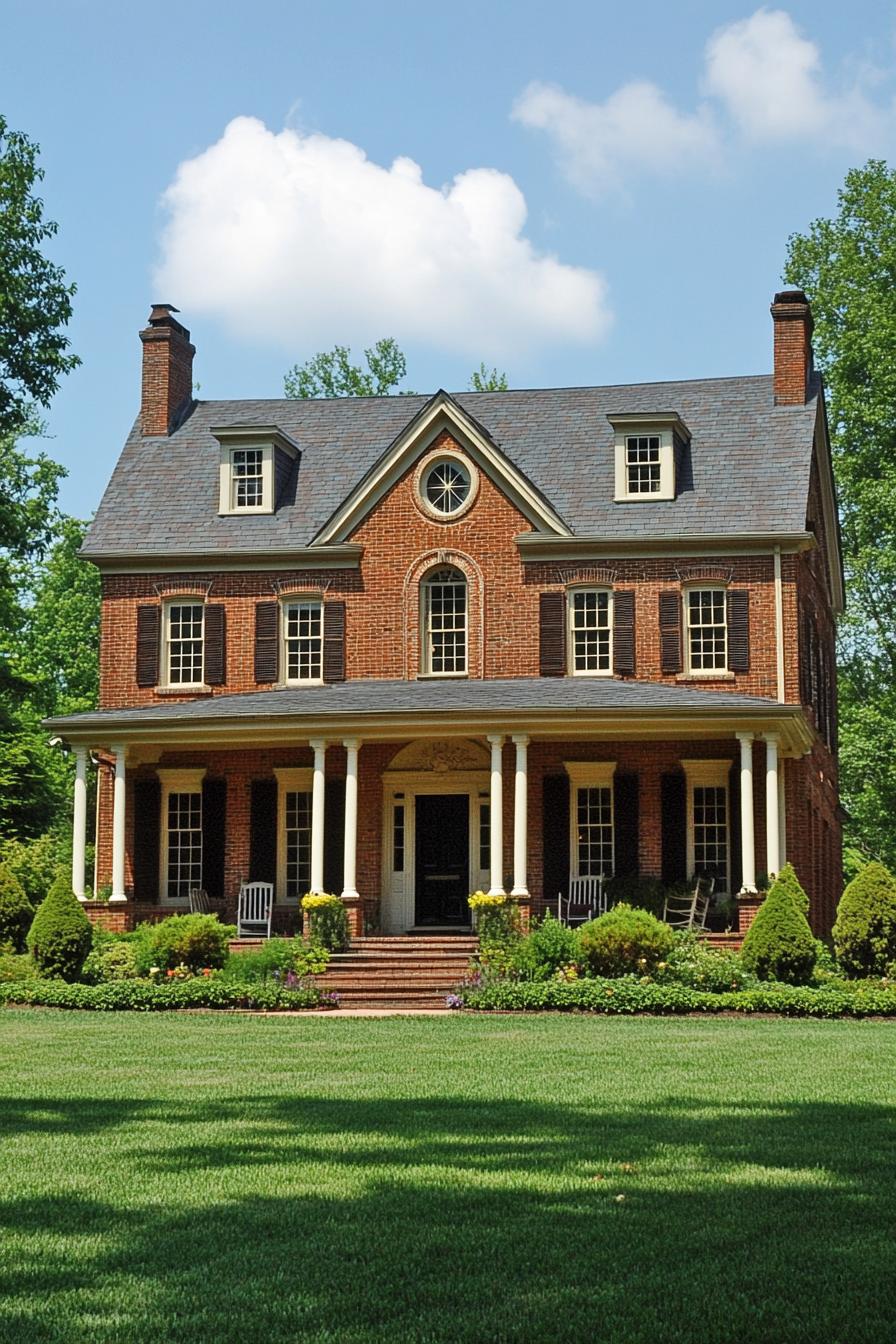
[(772, 804), (425, 584), (79, 823), (425, 466), (170, 600), (711, 774), (290, 779), (588, 775), (350, 837), (520, 815), (226, 507), (175, 780), (119, 805), (571, 592), (318, 801), (689, 587), (622, 494), (747, 836), (299, 600)]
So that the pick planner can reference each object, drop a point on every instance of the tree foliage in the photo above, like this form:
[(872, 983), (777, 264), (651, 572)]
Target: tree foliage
[(865, 928), (330, 373), (35, 301), (488, 380)]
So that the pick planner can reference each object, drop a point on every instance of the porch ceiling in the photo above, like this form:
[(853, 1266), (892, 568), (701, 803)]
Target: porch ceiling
[(389, 710)]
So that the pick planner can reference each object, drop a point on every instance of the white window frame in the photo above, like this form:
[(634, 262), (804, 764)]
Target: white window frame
[(289, 780), (170, 601), (713, 774), (421, 477), (426, 646), (588, 775), (571, 595), (176, 781), (687, 591), (299, 600), (266, 439), (666, 428)]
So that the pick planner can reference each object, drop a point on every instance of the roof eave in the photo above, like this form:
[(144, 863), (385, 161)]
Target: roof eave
[(347, 555), (537, 546)]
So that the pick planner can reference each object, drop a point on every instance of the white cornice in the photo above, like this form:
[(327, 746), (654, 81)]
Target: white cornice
[(534, 547), (269, 558)]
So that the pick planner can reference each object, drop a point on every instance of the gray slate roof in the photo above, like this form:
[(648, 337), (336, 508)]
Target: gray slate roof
[(747, 469), (352, 698)]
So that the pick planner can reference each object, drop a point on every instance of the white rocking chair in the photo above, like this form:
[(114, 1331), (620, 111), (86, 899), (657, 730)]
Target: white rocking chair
[(689, 911), (585, 900), (254, 910)]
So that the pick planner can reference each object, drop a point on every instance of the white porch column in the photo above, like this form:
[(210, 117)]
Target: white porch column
[(318, 795), (772, 820), (350, 850), (782, 813), (520, 817), (747, 842), (118, 823), (497, 815), (79, 823)]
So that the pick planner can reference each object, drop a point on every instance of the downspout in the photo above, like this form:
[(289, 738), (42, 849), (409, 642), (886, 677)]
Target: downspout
[(779, 625)]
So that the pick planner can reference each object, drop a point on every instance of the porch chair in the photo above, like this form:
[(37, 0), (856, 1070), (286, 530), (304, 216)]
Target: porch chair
[(689, 911), (585, 900), (199, 901), (254, 910)]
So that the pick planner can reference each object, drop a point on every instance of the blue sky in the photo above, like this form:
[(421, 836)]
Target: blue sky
[(579, 193)]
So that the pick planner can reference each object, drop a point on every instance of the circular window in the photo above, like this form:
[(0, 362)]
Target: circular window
[(446, 487)]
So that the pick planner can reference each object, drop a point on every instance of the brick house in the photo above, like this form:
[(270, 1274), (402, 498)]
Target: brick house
[(401, 648)]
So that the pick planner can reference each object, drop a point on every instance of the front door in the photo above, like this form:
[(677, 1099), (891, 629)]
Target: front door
[(442, 858)]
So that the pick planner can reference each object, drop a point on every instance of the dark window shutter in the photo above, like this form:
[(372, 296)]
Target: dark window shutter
[(334, 641), (215, 644), (148, 633), (738, 630), (267, 631), (147, 837), (624, 632), (552, 634), (734, 847), (555, 838), (334, 836), (670, 632), (214, 815), (625, 825), (673, 812), (263, 831)]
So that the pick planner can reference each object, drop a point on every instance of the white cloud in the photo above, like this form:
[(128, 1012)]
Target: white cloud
[(635, 128), (301, 239)]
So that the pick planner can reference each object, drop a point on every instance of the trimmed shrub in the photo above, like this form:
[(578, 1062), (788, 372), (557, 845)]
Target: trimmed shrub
[(16, 911), (145, 997), (108, 961), (60, 935), (625, 941), (644, 893), (694, 963), (327, 921), (547, 949), (865, 928), (779, 944), (788, 879), (194, 941), (497, 918)]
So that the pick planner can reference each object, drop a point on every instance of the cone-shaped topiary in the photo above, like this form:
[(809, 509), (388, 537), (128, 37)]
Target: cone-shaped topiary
[(16, 911), (865, 929), (779, 943), (788, 879), (60, 936)]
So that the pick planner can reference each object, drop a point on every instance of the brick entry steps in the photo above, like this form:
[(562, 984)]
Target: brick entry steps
[(402, 972)]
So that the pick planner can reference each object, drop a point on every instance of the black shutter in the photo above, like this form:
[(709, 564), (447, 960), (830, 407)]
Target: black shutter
[(624, 632), (734, 846), (147, 837), (267, 630), (739, 630), (263, 831), (334, 836), (670, 632), (334, 641), (555, 838), (673, 811), (625, 825), (552, 634), (215, 654), (148, 631), (214, 816)]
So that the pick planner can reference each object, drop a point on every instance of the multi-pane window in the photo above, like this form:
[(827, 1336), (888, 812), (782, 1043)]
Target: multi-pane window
[(183, 639), (485, 836), (184, 823), (303, 636), (594, 831), (642, 464), (246, 477), (445, 623), (297, 822), (707, 637), (590, 614), (398, 836), (711, 831), (446, 487)]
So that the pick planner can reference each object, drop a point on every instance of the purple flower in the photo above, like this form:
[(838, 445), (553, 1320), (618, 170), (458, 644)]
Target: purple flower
[(454, 1001)]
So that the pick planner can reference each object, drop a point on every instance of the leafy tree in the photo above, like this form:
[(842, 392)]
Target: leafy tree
[(865, 928), (487, 380), (35, 301), (846, 266), (332, 374), (60, 634)]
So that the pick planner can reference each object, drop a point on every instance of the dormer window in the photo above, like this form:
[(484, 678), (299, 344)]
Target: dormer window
[(256, 465), (648, 451)]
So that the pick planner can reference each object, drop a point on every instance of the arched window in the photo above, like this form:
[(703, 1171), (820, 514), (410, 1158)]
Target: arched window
[(444, 632)]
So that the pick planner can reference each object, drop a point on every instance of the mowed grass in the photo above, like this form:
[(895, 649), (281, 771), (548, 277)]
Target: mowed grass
[(225, 1178)]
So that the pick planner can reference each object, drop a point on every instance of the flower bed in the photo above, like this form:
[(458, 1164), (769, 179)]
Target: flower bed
[(145, 997)]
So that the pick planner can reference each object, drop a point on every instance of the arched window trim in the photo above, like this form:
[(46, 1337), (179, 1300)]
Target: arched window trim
[(444, 626)]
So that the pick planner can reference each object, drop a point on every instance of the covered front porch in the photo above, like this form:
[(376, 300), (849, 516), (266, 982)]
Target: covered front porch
[(403, 797)]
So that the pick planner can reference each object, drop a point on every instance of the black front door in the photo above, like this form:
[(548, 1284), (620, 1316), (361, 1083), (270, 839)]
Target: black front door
[(443, 858)]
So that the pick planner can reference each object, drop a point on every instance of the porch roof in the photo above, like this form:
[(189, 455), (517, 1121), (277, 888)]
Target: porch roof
[(405, 709)]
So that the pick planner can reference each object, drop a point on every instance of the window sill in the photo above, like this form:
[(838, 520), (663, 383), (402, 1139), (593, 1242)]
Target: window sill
[(443, 676), (715, 675), (184, 690), (605, 673), (295, 685)]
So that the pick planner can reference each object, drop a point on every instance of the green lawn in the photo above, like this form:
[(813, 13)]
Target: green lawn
[(222, 1178)]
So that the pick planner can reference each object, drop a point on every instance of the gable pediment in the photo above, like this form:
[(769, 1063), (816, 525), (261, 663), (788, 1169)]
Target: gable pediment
[(441, 415)]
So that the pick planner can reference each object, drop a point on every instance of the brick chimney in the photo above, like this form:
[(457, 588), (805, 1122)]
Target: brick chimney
[(793, 347), (167, 370)]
